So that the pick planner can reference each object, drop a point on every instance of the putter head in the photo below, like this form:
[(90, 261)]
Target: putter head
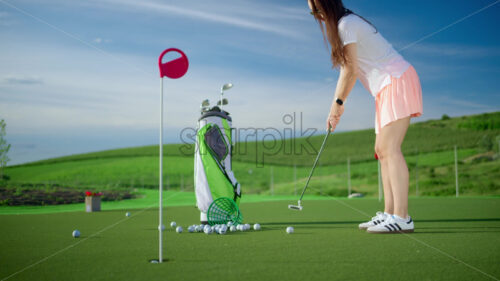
[(296, 207)]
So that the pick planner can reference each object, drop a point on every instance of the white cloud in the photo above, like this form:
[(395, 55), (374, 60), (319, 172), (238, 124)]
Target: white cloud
[(21, 80), (229, 13), (467, 104), (100, 40), (96, 90), (102, 94)]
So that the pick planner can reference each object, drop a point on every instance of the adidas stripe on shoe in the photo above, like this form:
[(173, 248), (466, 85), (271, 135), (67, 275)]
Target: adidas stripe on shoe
[(376, 220)]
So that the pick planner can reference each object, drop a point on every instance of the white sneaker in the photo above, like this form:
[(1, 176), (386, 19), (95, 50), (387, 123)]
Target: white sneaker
[(378, 219), (393, 224)]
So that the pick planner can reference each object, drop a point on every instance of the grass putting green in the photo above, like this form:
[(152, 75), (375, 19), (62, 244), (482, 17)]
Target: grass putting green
[(455, 239)]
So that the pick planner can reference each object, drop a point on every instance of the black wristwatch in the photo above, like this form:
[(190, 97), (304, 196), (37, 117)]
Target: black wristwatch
[(339, 101)]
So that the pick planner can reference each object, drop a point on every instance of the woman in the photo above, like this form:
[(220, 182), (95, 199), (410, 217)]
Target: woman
[(361, 52)]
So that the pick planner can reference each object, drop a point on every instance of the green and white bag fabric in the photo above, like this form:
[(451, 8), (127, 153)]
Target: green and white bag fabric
[(213, 175)]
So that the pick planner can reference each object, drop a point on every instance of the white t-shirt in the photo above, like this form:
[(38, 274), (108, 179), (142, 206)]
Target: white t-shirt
[(377, 59)]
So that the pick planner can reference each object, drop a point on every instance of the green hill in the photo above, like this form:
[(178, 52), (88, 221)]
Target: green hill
[(428, 148), (477, 131)]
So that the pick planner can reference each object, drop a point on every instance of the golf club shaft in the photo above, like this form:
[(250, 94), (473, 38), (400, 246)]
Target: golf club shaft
[(315, 162)]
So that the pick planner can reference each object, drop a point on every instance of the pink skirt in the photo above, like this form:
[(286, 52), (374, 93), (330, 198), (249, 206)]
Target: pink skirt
[(398, 100)]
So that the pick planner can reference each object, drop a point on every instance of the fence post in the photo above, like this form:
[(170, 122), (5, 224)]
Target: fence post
[(348, 176), (456, 171), (272, 181), (295, 178), (416, 174)]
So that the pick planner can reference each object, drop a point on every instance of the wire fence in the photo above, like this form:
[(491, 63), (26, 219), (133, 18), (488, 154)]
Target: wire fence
[(468, 171), (456, 172)]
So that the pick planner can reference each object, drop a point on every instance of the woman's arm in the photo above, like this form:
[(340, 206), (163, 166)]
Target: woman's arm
[(347, 79)]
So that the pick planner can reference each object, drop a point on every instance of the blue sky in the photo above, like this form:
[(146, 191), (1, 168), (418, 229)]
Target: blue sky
[(79, 76)]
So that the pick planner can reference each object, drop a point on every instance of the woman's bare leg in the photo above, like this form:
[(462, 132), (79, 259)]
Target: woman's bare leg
[(388, 196), (394, 169)]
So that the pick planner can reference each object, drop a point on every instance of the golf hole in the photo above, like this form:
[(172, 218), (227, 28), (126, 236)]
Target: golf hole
[(157, 261)]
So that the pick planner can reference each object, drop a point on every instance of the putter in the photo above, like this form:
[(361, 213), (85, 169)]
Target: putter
[(299, 207)]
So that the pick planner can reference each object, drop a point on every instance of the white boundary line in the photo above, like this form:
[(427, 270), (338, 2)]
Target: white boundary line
[(451, 257), (85, 239), (426, 36), (345, 204), (448, 26), (75, 37), (146, 72), (422, 242)]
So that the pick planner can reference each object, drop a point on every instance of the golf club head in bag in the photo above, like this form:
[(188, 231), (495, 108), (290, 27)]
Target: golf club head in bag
[(224, 87), (224, 102), (205, 106)]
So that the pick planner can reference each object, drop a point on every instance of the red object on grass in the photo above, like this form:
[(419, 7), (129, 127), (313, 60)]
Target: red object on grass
[(90, 193), (175, 68)]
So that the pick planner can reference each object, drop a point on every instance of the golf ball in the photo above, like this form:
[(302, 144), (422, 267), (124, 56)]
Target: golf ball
[(179, 229), (256, 226), (289, 230), (239, 227), (222, 230), (162, 227), (229, 223), (232, 228), (76, 233), (191, 228), (127, 214), (247, 226), (173, 224), (208, 230)]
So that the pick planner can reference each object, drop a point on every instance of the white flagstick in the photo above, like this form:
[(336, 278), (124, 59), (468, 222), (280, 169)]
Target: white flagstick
[(173, 69), (160, 187)]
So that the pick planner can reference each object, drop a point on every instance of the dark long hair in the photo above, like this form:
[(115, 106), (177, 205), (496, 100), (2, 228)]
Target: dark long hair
[(332, 11)]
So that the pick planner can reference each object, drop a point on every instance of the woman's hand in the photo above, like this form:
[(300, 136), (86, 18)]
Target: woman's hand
[(334, 117)]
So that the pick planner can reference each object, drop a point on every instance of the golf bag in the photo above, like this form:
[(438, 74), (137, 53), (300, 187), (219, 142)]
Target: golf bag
[(213, 175)]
